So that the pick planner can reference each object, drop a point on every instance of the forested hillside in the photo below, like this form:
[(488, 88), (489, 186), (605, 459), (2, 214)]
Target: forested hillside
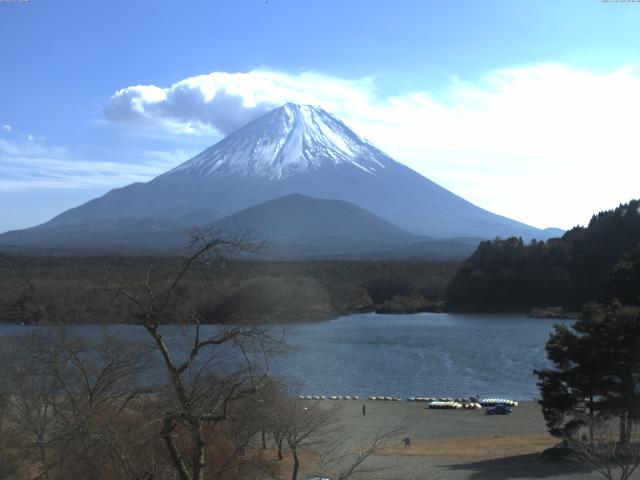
[(46, 289), (593, 263)]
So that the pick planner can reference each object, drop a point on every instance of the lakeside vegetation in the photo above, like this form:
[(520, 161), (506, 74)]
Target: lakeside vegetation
[(598, 263), (38, 290)]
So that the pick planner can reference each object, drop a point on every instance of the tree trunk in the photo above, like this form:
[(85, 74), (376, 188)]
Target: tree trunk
[(591, 418), (296, 465), (623, 427), (43, 459), (198, 454), (278, 439), (264, 439), (176, 458)]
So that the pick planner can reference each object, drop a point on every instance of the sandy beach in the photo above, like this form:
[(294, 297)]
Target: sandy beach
[(459, 444)]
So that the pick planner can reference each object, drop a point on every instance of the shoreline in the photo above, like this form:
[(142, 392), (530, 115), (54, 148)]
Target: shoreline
[(312, 320)]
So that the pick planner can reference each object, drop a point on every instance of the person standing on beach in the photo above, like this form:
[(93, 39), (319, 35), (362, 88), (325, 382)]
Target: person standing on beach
[(364, 409)]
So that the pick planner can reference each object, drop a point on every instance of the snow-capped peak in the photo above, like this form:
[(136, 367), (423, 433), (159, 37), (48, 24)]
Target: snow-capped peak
[(288, 140)]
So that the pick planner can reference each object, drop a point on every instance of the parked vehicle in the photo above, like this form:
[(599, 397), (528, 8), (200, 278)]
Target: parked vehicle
[(499, 410)]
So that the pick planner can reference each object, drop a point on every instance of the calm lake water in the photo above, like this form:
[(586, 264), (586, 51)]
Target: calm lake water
[(404, 355)]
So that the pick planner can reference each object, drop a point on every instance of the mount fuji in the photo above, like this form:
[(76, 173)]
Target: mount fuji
[(294, 149)]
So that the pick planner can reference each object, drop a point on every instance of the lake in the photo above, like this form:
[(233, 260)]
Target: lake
[(425, 354)]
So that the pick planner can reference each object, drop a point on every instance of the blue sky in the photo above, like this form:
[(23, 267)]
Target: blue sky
[(528, 109)]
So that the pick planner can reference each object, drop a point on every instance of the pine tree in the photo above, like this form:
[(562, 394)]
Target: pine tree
[(596, 371)]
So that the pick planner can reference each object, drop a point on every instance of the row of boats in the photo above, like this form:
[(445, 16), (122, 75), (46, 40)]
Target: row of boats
[(455, 405), (439, 403), (328, 397)]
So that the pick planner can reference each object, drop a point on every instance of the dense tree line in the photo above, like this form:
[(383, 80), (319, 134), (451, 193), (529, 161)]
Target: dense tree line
[(37, 289), (594, 263)]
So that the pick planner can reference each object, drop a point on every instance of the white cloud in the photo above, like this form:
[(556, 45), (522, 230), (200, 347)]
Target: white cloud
[(6, 127), (226, 101), (547, 144), (32, 165)]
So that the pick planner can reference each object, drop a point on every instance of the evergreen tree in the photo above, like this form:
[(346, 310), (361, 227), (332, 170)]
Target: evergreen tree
[(596, 263), (596, 371), (624, 282)]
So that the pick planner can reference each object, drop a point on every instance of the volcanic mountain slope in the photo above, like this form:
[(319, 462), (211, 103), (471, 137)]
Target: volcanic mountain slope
[(293, 149), (290, 227), (297, 226), (297, 218)]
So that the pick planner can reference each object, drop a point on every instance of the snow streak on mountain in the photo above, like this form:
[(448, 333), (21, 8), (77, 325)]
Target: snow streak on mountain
[(289, 140)]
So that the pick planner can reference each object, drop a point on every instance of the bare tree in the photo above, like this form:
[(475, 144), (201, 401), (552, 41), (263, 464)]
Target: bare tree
[(8, 463), (278, 429), (93, 409), (347, 458), (30, 417), (605, 453), (308, 426), (80, 409), (202, 383), (317, 430), (71, 404), (243, 424), (272, 403)]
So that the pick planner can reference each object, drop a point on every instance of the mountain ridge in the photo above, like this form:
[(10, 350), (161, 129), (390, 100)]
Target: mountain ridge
[(291, 150), (290, 227)]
